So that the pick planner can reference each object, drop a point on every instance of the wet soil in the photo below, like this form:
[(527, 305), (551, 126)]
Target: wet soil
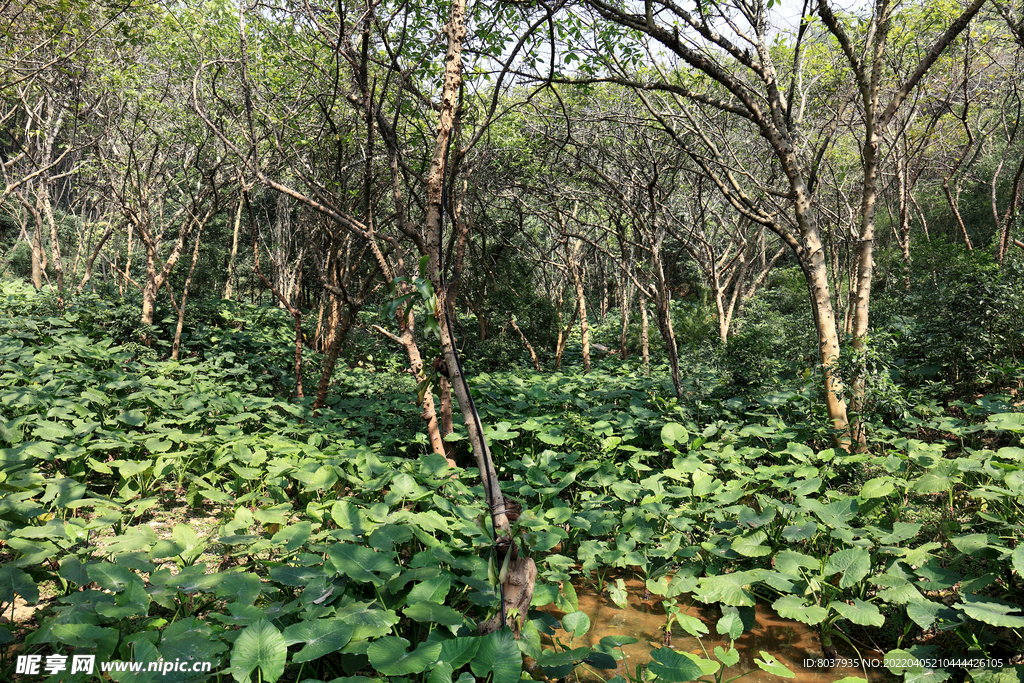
[(791, 642)]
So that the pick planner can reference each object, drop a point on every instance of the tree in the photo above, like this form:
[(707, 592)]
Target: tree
[(729, 63)]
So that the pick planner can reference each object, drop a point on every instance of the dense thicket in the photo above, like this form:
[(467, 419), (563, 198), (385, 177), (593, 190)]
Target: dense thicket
[(249, 255)]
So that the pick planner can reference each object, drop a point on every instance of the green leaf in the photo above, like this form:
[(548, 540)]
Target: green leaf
[(1018, 559), (361, 564), (431, 611), (259, 646), (924, 613), (730, 624), (617, 593), (1013, 422), (388, 655), (991, 611), (71, 570), (673, 667), (441, 673), (976, 545), (773, 666), (729, 657), (879, 487), (498, 655), (459, 651), (14, 581), (133, 418), (793, 607), (1009, 674), (692, 625), (109, 576), (749, 544), (673, 433), (576, 623), (728, 589), (853, 563), (243, 587), (292, 537), (860, 612), (321, 636)]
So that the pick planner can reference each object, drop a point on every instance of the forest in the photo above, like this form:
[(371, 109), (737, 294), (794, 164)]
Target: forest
[(554, 340)]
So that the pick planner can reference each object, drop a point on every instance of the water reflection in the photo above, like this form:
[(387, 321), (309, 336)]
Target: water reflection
[(644, 618)]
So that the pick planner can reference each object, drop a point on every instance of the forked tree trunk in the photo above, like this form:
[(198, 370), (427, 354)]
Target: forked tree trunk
[(407, 340), (517, 587)]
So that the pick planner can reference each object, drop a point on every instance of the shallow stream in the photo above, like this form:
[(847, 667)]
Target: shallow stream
[(791, 642)]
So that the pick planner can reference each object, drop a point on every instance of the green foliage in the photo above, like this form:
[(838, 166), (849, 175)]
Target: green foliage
[(337, 546), (959, 322), (774, 340)]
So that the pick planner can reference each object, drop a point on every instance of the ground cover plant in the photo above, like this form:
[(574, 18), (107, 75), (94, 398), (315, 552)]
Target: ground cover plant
[(332, 545)]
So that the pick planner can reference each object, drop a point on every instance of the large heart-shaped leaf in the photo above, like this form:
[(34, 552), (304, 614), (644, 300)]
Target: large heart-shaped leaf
[(991, 611), (321, 636), (500, 656), (859, 612), (13, 582), (773, 666), (362, 564), (389, 656), (673, 667), (259, 646), (431, 611), (793, 607), (853, 563), (576, 623)]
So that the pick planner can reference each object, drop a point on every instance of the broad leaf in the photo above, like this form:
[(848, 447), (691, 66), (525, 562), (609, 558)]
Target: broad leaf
[(259, 646)]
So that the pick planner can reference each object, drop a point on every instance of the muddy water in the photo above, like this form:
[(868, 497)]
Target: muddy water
[(644, 618)]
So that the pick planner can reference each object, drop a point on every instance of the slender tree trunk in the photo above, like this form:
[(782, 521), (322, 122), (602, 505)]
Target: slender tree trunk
[(526, 342), (46, 209), (1010, 215), (581, 306), (645, 338), (176, 346), (953, 206), (37, 254), (903, 213), (625, 303), (604, 289), (129, 245), (230, 283), (407, 340), (517, 586), (150, 290), (663, 309)]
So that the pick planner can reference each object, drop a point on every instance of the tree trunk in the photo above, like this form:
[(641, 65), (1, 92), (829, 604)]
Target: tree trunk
[(230, 283), (581, 306), (529, 347), (517, 588), (407, 340), (176, 346), (1011, 212), (663, 310), (625, 303), (46, 209), (645, 338), (37, 254)]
